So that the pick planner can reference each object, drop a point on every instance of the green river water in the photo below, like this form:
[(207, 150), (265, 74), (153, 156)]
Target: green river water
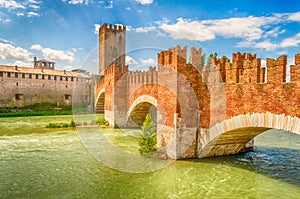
[(36, 162)]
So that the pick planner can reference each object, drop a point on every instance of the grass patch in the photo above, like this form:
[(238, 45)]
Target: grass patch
[(39, 109), (61, 125)]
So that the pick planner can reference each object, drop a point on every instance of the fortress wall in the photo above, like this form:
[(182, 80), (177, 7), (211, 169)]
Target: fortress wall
[(21, 89)]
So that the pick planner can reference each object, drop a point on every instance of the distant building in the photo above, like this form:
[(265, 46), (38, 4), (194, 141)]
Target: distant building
[(22, 86)]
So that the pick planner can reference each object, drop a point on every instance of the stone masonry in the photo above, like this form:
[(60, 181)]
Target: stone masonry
[(202, 110)]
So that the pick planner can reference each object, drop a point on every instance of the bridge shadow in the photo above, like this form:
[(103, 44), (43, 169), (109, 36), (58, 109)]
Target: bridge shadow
[(278, 163)]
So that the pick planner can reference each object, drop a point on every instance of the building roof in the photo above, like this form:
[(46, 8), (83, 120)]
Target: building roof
[(18, 69)]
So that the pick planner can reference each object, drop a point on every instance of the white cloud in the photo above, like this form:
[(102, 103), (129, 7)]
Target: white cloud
[(34, 1), (96, 28), (11, 4), (128, 28), (6, 41), (294, 16), (74, 2), (284, 52), (22, 63), (36, 47), (190, 30), (129, 60), (7, 20), (9, 51), (145, 29), (267, 45), (34, 7), (128, 8), (20, 14), (57, 55), (248, 28), (32, 14), (144, 2), (292, 41), (147, 61), (274, 32)]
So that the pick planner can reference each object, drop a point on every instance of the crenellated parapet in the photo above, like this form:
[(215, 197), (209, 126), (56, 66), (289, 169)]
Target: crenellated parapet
[(276, 69), (295, 69), (113, 28), (195, 57), (143, 77), (172, 57)]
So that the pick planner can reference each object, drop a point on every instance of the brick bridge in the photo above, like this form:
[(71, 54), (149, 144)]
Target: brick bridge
[(203, 111)]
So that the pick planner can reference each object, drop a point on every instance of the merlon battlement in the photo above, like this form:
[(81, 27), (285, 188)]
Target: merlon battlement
[(111, 27), (241, 57), (114, 69), (143, 77)]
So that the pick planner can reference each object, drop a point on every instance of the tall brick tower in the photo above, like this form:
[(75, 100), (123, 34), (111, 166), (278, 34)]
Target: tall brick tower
[(112, 40)]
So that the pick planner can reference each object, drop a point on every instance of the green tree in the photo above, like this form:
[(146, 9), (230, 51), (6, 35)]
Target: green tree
[(202, 60), (209, 60), (148, 138), (224, 57)]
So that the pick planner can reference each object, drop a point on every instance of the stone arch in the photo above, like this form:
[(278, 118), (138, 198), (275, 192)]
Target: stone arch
[(139, 108), (100, 101), (167, 104), (232, 135)]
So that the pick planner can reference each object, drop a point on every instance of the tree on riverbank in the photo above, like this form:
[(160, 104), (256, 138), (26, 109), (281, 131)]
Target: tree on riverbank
[(148, 138)]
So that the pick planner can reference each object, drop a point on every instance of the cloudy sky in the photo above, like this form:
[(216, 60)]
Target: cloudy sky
[(65, 31)]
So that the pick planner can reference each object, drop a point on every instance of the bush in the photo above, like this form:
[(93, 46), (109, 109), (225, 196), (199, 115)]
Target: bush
[(148, 138), (61, 125), (103, 121), (72, 123)]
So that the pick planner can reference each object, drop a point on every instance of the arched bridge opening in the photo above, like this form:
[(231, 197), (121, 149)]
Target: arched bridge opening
[(100, 103), (138, 114), (237, 134)]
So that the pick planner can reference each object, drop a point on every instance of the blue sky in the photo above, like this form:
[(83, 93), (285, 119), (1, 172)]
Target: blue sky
[(65, 31)]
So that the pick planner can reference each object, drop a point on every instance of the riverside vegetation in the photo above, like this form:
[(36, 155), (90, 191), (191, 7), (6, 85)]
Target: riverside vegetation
[(148, 139), (102, 122), (38, 109)]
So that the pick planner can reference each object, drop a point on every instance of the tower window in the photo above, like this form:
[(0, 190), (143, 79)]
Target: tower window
[(16, 75), (1, 74), (36, 76), (43, 76), (55, 77), (19, 96), (8, 74), (30, 76), (60, 78), (49, 77), (23, 75)]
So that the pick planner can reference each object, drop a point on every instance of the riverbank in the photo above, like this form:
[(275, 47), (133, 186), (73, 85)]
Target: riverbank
[(36, 162), (38, 109)]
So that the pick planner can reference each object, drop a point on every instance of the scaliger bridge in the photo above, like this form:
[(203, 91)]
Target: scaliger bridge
[(203, 111)]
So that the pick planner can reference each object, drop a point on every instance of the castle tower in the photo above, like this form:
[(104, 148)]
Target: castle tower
[(112, 40)]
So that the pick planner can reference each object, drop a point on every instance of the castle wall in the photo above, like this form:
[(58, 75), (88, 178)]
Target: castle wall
[(24, 86)]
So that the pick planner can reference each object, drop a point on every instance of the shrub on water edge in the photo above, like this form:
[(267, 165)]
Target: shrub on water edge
[(52, 125), (61, 125), (103, 121), (148, 138), (72, 123)]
